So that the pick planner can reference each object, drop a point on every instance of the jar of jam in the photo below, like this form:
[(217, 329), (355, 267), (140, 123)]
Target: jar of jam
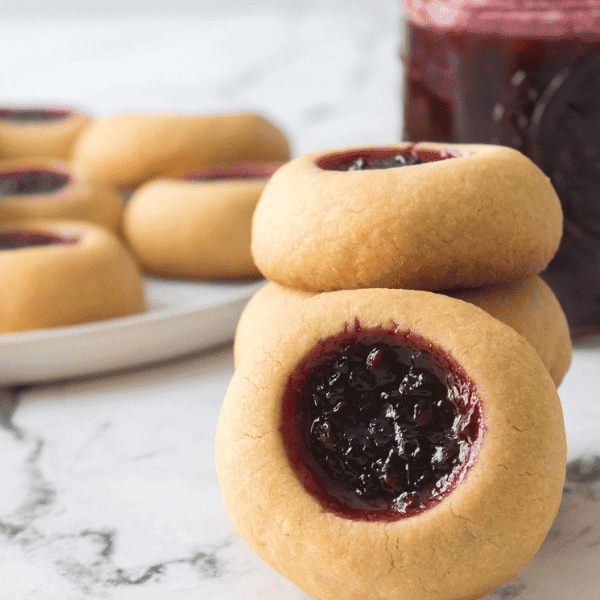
[(525, 74)]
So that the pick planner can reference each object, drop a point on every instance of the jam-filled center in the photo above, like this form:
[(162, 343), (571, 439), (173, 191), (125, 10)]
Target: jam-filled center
[(384, 428), (235, 171), (369, 159), (27, 115), (32, 181), (15, 239)]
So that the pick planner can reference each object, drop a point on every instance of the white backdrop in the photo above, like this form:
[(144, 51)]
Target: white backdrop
[(328, 73)]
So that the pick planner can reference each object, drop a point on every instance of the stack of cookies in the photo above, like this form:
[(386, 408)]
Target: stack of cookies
[(392, 430), (478, 223)]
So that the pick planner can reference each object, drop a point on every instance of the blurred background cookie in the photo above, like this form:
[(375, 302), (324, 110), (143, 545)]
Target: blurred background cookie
[(32, 188), (127, 149), (197, 227), (57, 273), (40, 131)]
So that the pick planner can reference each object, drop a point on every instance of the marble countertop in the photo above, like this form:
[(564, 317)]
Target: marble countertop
[(107, 482)]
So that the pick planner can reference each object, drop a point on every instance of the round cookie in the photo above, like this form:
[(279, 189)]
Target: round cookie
[(128, 149), (40, 131), (45, 188), (473, 530), (271, 302), (197, 227), (528, 306), (57, 273), (467, 215)]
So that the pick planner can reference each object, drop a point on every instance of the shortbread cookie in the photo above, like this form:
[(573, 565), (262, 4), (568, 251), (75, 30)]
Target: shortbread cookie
[(452, 216), (45, 188), (57, 273), (40, 131), (529, 306), (271, 302), (197, 227), (392, 444), (128, 149)]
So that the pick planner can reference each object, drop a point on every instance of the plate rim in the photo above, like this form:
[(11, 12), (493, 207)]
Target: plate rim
[(217, 321)]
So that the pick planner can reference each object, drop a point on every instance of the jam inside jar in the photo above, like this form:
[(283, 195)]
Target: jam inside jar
[(523, 74)]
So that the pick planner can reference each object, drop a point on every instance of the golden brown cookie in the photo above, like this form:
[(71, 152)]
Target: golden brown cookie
[(44, 188), (57, 273), (392, 444), (468, 215), (271, 302), (128, 149), (197, 227), (40, 131), (529, 306)]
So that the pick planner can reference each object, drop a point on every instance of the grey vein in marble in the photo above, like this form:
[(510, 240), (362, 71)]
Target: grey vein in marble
[(100, 517)]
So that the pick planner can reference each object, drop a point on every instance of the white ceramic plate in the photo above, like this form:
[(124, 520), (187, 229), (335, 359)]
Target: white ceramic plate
[(183, 317)]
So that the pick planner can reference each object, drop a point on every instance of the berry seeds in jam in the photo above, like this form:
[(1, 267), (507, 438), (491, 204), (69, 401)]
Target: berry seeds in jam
[(33, 115), (34, 181), (17, 239), (380, 425), (369, 159)]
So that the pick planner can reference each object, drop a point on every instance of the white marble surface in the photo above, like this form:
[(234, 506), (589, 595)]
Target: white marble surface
[(107, 484), (109, 492)]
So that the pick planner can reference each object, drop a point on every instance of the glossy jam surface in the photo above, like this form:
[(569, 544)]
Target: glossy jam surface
[(12, 240), (368, 159), (32, 182), (32, 115), (398, 160), (539, 95), (379, 426)]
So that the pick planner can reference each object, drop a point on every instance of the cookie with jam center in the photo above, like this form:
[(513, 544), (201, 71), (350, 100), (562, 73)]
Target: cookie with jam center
[(44, 188), (44, 131), (197, 226), (443, 216), (392, 444), (528, 305), (57, 272)]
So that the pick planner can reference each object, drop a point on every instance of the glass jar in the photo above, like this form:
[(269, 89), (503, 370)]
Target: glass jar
[(525, 74)]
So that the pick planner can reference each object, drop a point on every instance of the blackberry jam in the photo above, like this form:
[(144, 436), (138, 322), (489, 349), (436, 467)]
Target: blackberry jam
[(524, 75), (369, 159), (33, 115), (31, 181), (380, 425), (13, 240)]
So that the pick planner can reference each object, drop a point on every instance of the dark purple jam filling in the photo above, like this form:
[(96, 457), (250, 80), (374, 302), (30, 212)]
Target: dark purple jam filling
[(12, 240), (32, 181), (27, 115), (380, 425), (380, 158), (399, 160), (246, 170)]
